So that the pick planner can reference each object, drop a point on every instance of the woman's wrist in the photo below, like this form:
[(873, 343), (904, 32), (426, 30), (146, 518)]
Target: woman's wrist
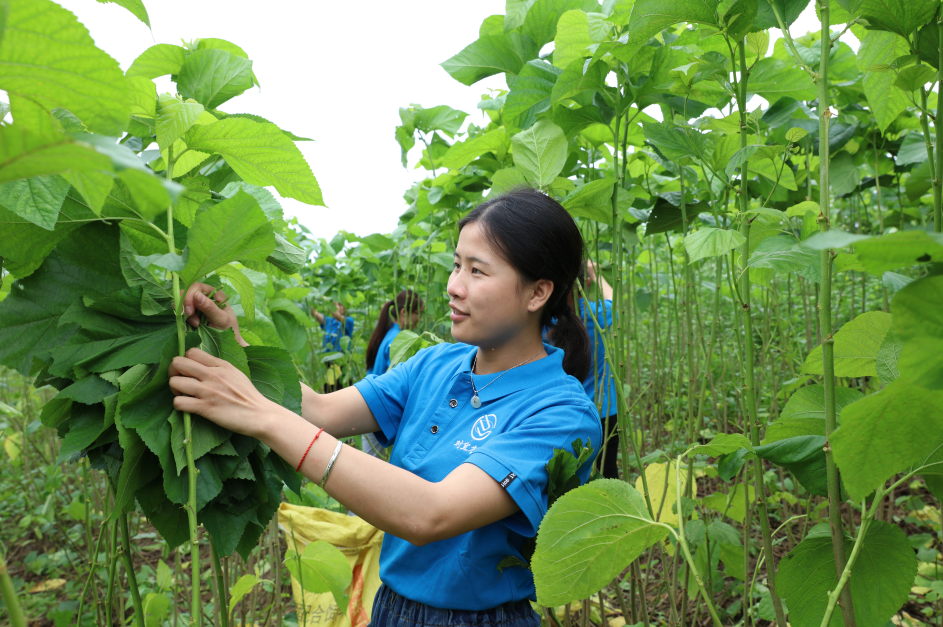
[(272, 419)]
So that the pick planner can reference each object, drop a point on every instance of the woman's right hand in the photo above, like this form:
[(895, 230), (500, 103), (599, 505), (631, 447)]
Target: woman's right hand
[(197, 300)]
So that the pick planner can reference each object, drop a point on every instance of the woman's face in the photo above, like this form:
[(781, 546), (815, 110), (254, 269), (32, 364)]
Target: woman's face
[(490, 304)]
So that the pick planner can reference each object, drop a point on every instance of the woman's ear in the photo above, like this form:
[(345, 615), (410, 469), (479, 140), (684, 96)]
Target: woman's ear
[(539, 291)]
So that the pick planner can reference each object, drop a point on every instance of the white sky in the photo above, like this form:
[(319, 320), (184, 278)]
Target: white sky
[(334, 72)]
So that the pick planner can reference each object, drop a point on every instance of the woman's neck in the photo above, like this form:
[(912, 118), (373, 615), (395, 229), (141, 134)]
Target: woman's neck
[(509, 354)]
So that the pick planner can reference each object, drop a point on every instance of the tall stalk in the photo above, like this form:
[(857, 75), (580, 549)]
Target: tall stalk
[(196, 613), (825, 320), (221, 604), (749, 383), (938, 127), (9, 597), (129, 569)]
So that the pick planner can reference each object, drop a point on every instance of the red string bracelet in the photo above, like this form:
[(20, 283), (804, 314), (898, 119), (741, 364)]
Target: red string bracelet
[(316, 436)]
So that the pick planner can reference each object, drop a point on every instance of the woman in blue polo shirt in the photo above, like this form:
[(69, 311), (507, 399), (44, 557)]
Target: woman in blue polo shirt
[(473, 423), (404, 315)]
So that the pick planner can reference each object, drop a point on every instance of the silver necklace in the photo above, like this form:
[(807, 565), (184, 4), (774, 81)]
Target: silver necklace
[(475, 401)]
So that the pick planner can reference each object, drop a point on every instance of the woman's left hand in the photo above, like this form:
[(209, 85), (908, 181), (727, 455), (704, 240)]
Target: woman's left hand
[(217, 390)]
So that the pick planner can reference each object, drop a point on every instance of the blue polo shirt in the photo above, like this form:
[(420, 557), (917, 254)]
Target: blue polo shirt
[(424, 409), (382, 363), (332, 333), (600, 380)]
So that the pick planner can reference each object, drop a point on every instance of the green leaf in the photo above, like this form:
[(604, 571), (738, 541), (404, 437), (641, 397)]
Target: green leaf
[(48, 59), (137, 9), (287, 257), (888, 356), (143, 99), (804, 413), (506, 179), (29, 317), (273, 374), (844, 175), (213, 76), (138, 468), (756, 150), (233, 229), (169, 519), (244, 288), (226, 524), (711, 242), (833, 238), (89, 389), (677, 142), (576, 31), (540, 152), (880, 579), (897, 250), (491, 55), (588, 537), (87, 423), (174, 118), (789, 11), (514, 13), (898, 16), (919, 324), (914, 77), (240, 589), (156, 605), (722, 444), (404, 345), (206, 436), (649, 17), (542, 19), (856, 347), (461, 154), (875, 54), (868, 452), (594, 201), (158, 60), (321, 567), (530, 93), (803, 456), (260, 154), (24, 154), (36, 199), (774, 78), (782, 254), (223, 344)]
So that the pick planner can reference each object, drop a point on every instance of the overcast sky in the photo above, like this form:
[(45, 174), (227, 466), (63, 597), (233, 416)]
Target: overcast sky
[(335, 72)]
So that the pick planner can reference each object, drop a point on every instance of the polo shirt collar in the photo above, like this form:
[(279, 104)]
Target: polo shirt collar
[(521, 378)]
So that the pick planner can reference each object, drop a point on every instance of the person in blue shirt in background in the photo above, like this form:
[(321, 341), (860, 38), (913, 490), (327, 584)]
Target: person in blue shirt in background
[(599, 385), (404, 315), (473, 424), (406, 309), (338, 325)]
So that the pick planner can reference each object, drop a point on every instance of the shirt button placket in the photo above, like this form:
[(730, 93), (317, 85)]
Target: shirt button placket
[(453, 403)]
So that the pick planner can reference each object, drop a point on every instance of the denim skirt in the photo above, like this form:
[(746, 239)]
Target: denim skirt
[(393, 610)]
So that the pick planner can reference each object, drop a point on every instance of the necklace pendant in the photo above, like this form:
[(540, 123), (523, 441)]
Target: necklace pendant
[(476, 402)]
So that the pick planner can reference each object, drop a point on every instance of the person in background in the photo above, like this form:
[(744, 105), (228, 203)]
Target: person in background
[(406, 309), (335, 327), (339, 324), (599, 385)]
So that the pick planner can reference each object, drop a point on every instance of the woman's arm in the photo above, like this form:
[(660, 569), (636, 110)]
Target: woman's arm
[(391, 498), (341, 413), (595, 276)]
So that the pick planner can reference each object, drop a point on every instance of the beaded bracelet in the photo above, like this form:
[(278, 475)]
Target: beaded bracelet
[(330, 464), (316, 436)]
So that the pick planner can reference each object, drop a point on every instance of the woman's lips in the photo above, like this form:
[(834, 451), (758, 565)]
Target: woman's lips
[(457, 314)]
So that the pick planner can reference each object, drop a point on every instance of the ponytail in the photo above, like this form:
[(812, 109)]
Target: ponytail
[(379, 332), (568, 332), (407, 300)]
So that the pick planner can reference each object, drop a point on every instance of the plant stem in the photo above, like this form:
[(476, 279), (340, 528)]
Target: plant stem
[(195, 612), (112, 567), (222, 607), (749, 384), (129, 569), (938, 127), (10, 601), (825, 320)]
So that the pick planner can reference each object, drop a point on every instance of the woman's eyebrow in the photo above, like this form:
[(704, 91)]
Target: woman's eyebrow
[(473, 259)]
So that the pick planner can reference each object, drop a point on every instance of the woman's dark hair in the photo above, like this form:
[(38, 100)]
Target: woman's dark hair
[(408, 300), (537, 236)]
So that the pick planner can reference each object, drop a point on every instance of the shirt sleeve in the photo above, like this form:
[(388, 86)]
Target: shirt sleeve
[(517, 459), (386, 396), (349, 329)]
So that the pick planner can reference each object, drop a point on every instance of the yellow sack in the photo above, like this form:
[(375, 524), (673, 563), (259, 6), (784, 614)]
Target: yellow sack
[(358, 540)]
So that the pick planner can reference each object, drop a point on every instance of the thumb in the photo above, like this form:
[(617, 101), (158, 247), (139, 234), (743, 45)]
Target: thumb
[(214, 315)]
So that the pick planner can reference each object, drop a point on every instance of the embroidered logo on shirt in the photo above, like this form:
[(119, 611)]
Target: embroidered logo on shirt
[(462, 445), (483, 427), (507, 480)]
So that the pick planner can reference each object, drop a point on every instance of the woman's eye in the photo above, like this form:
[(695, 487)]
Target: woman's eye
[(474, 270)]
